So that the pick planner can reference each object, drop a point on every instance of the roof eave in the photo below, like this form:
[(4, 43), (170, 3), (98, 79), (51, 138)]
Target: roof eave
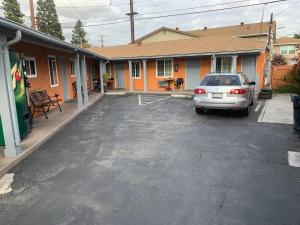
[(252, 51), (12, 26)]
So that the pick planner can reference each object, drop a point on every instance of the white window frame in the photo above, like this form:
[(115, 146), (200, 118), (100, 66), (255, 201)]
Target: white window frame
[(222, 57), (32, 75), (140, 72), (288, 49), (57, 83), (72, 75), (172, 69)]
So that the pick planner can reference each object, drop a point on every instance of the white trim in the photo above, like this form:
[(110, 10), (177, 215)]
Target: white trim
[(140, 75), (31, 59), (72, 60), (172, 70), (53, 56), (257, 51)]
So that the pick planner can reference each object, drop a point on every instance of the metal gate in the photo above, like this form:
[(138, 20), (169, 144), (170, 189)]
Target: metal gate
[(192, 73)]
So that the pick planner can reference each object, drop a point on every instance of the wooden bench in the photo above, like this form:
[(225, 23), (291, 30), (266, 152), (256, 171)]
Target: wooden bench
[(41, 99)]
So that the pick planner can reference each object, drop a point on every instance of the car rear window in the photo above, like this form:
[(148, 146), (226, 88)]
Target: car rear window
[(221, 80)]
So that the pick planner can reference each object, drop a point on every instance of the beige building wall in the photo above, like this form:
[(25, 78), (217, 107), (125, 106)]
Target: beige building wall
[(165, 35), (291, 58)]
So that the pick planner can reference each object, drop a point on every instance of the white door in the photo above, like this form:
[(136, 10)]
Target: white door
[(192, 73), (120, 75)]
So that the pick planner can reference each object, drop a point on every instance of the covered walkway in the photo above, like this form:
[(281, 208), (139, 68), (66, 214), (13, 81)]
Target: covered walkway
[(45, 129)]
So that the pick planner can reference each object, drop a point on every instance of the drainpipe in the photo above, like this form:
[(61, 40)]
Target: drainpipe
[(11, 94)]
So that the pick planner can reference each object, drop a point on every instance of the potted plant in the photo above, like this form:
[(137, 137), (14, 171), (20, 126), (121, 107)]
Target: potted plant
[(106, 78)]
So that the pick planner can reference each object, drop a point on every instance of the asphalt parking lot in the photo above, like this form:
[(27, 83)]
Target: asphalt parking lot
[(125, 162)]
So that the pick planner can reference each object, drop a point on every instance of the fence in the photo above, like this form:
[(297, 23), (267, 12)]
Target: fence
[(279, 75)]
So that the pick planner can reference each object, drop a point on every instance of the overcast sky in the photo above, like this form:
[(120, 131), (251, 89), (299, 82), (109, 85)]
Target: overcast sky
[(93, 12)]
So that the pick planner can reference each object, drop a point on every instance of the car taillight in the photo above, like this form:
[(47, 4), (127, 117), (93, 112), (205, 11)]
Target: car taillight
[(200, 91), (237, 92)]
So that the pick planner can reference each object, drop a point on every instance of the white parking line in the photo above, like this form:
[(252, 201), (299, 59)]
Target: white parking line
[(261, 115), (140, 100), (294, 159), (148, 103), (150, 99), (257, 107), (5, 183)]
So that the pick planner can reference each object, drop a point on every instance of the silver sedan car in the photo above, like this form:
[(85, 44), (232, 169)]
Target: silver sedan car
[(232, 91)]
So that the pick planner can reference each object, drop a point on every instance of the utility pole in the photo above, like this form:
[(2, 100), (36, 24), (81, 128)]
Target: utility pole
[(267, 70), (102, 40), (32, 16), (131, 14)]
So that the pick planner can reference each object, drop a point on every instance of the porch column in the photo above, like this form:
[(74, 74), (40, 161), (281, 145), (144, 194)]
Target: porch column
[(8, 110), (101, 71), (234, 64), (145, 75), (84, 82), (78, 81), (213, 64), (130, 76)]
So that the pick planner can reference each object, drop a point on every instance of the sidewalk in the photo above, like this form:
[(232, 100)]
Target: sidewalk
[(44, 129), (279, 109)]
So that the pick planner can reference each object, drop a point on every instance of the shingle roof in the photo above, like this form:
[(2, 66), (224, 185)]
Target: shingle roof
[(166, 29), (201, 46), (237, 30), (287, 40)]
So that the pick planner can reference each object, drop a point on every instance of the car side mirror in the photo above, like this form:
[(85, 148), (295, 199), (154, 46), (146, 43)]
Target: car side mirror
[(252, 83)]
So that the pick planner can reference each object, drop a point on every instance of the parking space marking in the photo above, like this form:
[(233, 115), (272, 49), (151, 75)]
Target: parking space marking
[(294, 159), (5, 183), (261, 115), (150, 99), (258, 107), (140, 100)]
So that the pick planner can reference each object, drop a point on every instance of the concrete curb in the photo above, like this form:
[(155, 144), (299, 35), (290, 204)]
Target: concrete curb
[(28, 152)]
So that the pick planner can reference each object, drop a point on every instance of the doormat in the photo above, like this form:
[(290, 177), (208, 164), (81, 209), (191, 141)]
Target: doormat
[(5, 183)]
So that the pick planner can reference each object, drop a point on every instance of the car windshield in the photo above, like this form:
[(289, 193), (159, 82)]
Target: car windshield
[(221, 80)]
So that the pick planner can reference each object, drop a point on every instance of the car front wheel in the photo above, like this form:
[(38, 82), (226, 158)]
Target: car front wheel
[(199, 110)]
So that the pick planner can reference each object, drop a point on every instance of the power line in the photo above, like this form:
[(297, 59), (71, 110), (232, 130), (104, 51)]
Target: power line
[(212, 10), (100, 6), (186, 13), (174, 10), (198, 7), (285, 9)]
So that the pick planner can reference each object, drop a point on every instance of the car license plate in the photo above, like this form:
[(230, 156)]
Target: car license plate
[(217, 95)]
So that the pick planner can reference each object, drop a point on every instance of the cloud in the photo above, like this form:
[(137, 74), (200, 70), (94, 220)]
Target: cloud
[(120, 33)]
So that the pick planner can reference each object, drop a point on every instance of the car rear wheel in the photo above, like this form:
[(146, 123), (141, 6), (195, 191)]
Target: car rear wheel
[(252, 101), (199, 110), (246, 112)]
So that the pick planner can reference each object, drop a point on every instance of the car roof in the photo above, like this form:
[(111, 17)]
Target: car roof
[(223, 74)]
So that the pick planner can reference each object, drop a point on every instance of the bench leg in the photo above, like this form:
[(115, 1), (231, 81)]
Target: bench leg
[(59, 106), (33, 112), (45, 113)]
